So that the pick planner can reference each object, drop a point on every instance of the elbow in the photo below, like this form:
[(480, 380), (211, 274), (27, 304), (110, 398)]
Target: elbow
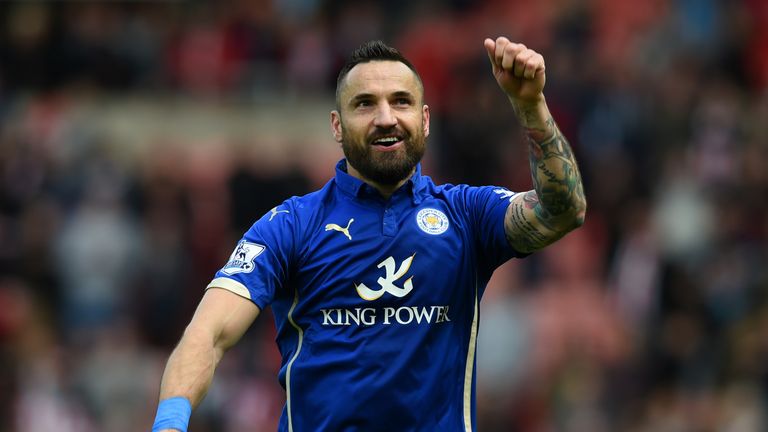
[(577, 217), (202, 339), (581, 215)]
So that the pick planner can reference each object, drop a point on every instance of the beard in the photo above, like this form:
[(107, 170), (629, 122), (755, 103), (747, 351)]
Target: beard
[(386, 168)]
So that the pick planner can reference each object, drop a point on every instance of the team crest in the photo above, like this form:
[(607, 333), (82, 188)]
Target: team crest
[(432, 221), (241, 260)]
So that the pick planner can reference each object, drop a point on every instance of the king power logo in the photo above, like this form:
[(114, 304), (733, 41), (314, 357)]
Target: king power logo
[(388, 315), (403, 315), (387, 283)]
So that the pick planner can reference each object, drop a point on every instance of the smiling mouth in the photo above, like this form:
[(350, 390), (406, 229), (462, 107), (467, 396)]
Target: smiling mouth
[(387, 141)]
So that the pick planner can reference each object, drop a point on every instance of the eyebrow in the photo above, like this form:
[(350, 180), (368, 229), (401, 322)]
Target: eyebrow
[(369, 96), (403, 93), (360, 97)]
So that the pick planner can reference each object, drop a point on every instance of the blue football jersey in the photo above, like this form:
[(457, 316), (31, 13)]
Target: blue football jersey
[(375, 301)]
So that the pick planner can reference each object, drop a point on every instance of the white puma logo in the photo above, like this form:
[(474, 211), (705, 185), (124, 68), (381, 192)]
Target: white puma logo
[(504, 194), (345, 230), (275, 211)]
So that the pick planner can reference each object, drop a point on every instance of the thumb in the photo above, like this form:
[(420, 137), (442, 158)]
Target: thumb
[(490, 49)]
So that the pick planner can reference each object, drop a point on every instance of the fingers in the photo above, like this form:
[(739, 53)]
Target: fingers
[(517, 59), (490, 49), (506, 50)]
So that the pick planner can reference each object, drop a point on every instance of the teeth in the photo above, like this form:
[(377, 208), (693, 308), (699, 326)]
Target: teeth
[(387, 140)]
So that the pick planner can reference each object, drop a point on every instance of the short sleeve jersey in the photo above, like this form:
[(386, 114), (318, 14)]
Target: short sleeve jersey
[(375, 301)]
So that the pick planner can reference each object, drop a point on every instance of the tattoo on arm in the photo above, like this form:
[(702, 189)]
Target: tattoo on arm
[(556, 176), (521, 233), (557, 201)]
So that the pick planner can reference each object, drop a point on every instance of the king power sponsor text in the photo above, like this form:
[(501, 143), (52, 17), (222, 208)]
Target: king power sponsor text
[(403, 315)]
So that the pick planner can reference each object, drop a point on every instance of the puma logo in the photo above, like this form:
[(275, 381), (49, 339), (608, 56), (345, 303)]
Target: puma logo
[(275, 211), (345, 230)]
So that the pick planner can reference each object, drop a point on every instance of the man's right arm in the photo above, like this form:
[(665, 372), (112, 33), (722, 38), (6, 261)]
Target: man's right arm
[(220, 320)]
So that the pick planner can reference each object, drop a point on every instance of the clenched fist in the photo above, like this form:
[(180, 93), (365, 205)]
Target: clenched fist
[(518, 70)]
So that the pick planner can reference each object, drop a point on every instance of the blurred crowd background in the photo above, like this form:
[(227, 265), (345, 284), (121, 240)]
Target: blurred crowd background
[(139, 140)]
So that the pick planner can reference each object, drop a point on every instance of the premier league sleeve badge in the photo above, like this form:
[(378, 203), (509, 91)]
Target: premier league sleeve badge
[(241, 260)]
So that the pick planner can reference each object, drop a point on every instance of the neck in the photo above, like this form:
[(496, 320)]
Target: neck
[(386, 190)]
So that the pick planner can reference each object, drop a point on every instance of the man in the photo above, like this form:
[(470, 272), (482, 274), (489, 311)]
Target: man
[(375, 279)]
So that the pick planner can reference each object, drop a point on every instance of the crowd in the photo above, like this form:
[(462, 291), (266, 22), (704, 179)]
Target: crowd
[(651, 317)]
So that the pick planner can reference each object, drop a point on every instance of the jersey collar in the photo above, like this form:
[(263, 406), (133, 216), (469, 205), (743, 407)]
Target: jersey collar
[(356, 187)]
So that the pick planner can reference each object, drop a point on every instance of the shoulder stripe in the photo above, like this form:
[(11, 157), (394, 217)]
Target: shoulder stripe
[(230, 285)]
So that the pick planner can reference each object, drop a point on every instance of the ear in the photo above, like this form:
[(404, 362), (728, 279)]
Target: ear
[(425, 119), (336, 125)]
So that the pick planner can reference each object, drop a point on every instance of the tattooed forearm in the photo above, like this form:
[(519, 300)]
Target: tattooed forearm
[(528, 117), (557, 204), (531, 201), (543, 133), (556, 176)]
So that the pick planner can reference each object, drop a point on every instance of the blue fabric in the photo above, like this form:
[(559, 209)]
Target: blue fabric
[(173, 413), (383, 294)]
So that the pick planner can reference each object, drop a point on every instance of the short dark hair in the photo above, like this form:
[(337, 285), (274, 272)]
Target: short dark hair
[(374, 50)]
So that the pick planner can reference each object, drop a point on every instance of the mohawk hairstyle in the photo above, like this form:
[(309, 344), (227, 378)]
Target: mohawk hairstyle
[(374, 50)]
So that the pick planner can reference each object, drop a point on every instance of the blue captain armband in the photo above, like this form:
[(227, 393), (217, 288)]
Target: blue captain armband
[(173, 413)]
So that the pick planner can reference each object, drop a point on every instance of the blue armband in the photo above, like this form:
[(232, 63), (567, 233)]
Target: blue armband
[(173, 413)]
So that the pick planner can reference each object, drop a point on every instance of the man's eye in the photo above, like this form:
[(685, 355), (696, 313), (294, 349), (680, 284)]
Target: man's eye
[(403, 101), (363, 103)]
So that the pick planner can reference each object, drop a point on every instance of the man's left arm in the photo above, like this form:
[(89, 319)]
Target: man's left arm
[(556, 205)]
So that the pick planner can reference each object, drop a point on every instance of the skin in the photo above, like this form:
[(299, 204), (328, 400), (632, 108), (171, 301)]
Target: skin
[(557, 204), (384, 97), (381, 98), (220, 320)]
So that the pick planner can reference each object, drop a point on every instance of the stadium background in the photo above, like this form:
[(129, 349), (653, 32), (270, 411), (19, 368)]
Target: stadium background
[(138, 140)]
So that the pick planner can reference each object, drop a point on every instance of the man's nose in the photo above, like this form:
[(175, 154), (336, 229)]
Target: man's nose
[(385, 118)]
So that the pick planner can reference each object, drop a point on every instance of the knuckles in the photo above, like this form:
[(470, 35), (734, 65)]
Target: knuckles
[(510, 56)]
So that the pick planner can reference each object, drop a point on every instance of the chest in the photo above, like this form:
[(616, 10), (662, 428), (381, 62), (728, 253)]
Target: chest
[(360, 257)]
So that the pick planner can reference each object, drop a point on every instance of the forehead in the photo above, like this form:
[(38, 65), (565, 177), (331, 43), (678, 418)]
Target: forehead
[(379, 78)]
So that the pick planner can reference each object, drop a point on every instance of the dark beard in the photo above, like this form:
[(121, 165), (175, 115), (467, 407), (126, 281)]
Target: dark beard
[(384, 168)]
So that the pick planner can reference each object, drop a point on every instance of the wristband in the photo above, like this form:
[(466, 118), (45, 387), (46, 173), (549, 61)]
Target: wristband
[(173, 413)]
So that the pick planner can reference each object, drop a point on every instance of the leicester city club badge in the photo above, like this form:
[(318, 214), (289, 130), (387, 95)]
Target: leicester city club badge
[(242, 258), (432, 221)]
